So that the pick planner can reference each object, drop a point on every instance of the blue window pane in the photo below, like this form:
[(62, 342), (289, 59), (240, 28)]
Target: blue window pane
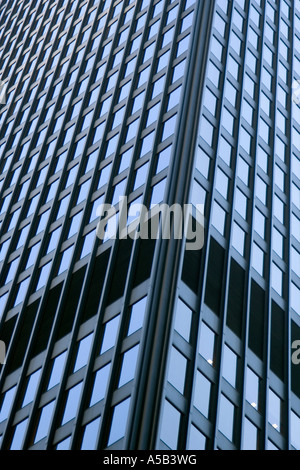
[(275, 410), (177, 370), (207, 344), (164, 159), (19, 435), (31, 387), (202, 394), (32, 255), (271, 446), (169, 127), (12, 270), (295, 431), (137, 316), (23, 234), (100, 384), (44, 423), (91, 161), (110, 334), (158, 193), (75, 224), (72, 403), (44, 274), (112, 145), (88, 244), (5, 245), (183, 320), (141, 176), (119, 421), (7, 403), (3, 300), (250, 438), (170, 426), (104, 175), (89, 441), (54, 239), (95, 206), (42, 224), (147, 144), (119, 191), (197, 441), (84, 188), (22, 291), (64, 445), (83, 352), (57, 370), (132, 130), (229, 367), (66, 259), (128, 366), (125, 160), (252, 388), (226, 417)]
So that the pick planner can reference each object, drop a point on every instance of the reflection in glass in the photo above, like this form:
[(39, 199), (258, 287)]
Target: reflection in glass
[(226, 417)]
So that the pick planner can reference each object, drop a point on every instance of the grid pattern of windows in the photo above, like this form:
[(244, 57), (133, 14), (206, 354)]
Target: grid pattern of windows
[(93, 93), (134, 343), (233, 386)]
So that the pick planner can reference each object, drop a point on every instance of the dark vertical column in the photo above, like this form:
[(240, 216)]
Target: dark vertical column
[(144, 420)]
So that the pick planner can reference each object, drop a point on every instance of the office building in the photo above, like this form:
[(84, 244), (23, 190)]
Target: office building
[(142, 343)]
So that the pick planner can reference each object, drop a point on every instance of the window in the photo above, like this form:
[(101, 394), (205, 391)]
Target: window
[(177, 370), (83, 352), (252, 389), (100, 384), (226, 417), (219, 218), (110, 333), (229, 369), (197, 441), (19, 433), (258, 259), (295, 430), (170, 425), (137, 316), (222, 183), (72, 403), (275, 411), (65, 260), (32, 384), (259, 223), (57, 370), (119, 421), (44, 274), (44, 421), (202, 394), (75, 224), (210, 101), (6, 403), (183, 319), (238, 239), (207, 344), (250, 437), (89, 441), (129, 361)]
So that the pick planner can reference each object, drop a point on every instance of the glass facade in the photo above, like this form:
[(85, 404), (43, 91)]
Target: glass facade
[(134, 343)]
